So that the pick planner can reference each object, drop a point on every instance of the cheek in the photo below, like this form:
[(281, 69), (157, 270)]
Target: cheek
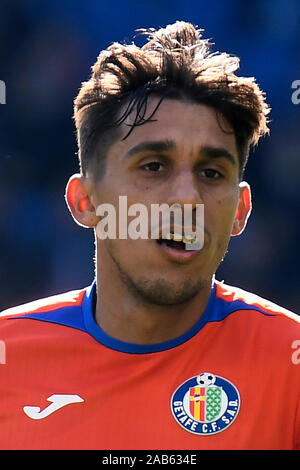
[(219, 217), (127, 249)]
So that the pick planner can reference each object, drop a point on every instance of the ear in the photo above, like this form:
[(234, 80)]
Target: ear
[(243, 210), (78, 199)]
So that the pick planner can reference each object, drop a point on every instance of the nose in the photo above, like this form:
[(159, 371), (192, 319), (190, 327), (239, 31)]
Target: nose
[(184, 189)]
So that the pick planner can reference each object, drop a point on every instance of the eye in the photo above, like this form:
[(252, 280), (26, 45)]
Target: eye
[(211, 173), (153, 167)]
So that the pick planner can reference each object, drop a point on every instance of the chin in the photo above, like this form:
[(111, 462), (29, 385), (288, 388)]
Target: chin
[(171, 289), (164, 292)]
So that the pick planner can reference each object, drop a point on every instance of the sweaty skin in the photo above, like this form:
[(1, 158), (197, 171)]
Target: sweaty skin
[(145, 296)]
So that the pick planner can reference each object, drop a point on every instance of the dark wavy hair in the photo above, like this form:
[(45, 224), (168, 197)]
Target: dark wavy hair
[(174, 63)]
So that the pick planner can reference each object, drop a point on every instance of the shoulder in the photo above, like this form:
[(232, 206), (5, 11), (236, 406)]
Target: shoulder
[(55, 302), (239, 299), (43, 318), (270, 331)]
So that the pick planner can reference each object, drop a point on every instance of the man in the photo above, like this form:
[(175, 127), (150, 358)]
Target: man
[(156, 353)]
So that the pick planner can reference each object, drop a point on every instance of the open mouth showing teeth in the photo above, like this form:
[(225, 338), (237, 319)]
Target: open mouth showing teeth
[(171, 244), (179, 242)]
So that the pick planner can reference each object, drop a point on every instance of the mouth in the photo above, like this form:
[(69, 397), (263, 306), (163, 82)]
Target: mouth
[(178, 247), (180, 242)]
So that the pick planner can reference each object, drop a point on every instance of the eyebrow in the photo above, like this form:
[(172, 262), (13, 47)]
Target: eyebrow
[(167, 146), (218, 152), (157, 146)]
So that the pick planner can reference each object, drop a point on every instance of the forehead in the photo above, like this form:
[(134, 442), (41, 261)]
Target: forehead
[(189, 126)]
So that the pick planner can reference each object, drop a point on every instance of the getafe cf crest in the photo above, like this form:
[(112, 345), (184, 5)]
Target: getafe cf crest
[(205, 404)]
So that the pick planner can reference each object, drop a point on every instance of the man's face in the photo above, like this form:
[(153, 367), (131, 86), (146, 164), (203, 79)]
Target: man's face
[(183, 157)]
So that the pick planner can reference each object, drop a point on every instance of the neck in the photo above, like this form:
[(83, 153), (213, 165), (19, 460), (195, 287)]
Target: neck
[(125, 315)]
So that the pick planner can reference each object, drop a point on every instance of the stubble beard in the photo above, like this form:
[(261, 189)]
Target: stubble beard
[(158, 291)]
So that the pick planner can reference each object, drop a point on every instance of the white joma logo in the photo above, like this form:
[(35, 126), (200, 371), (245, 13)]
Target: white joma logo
[(57, 402)]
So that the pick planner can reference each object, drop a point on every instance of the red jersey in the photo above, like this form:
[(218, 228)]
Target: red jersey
[(230, 382)]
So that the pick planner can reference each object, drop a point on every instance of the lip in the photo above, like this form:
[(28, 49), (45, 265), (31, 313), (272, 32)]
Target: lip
[(180, 256)]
